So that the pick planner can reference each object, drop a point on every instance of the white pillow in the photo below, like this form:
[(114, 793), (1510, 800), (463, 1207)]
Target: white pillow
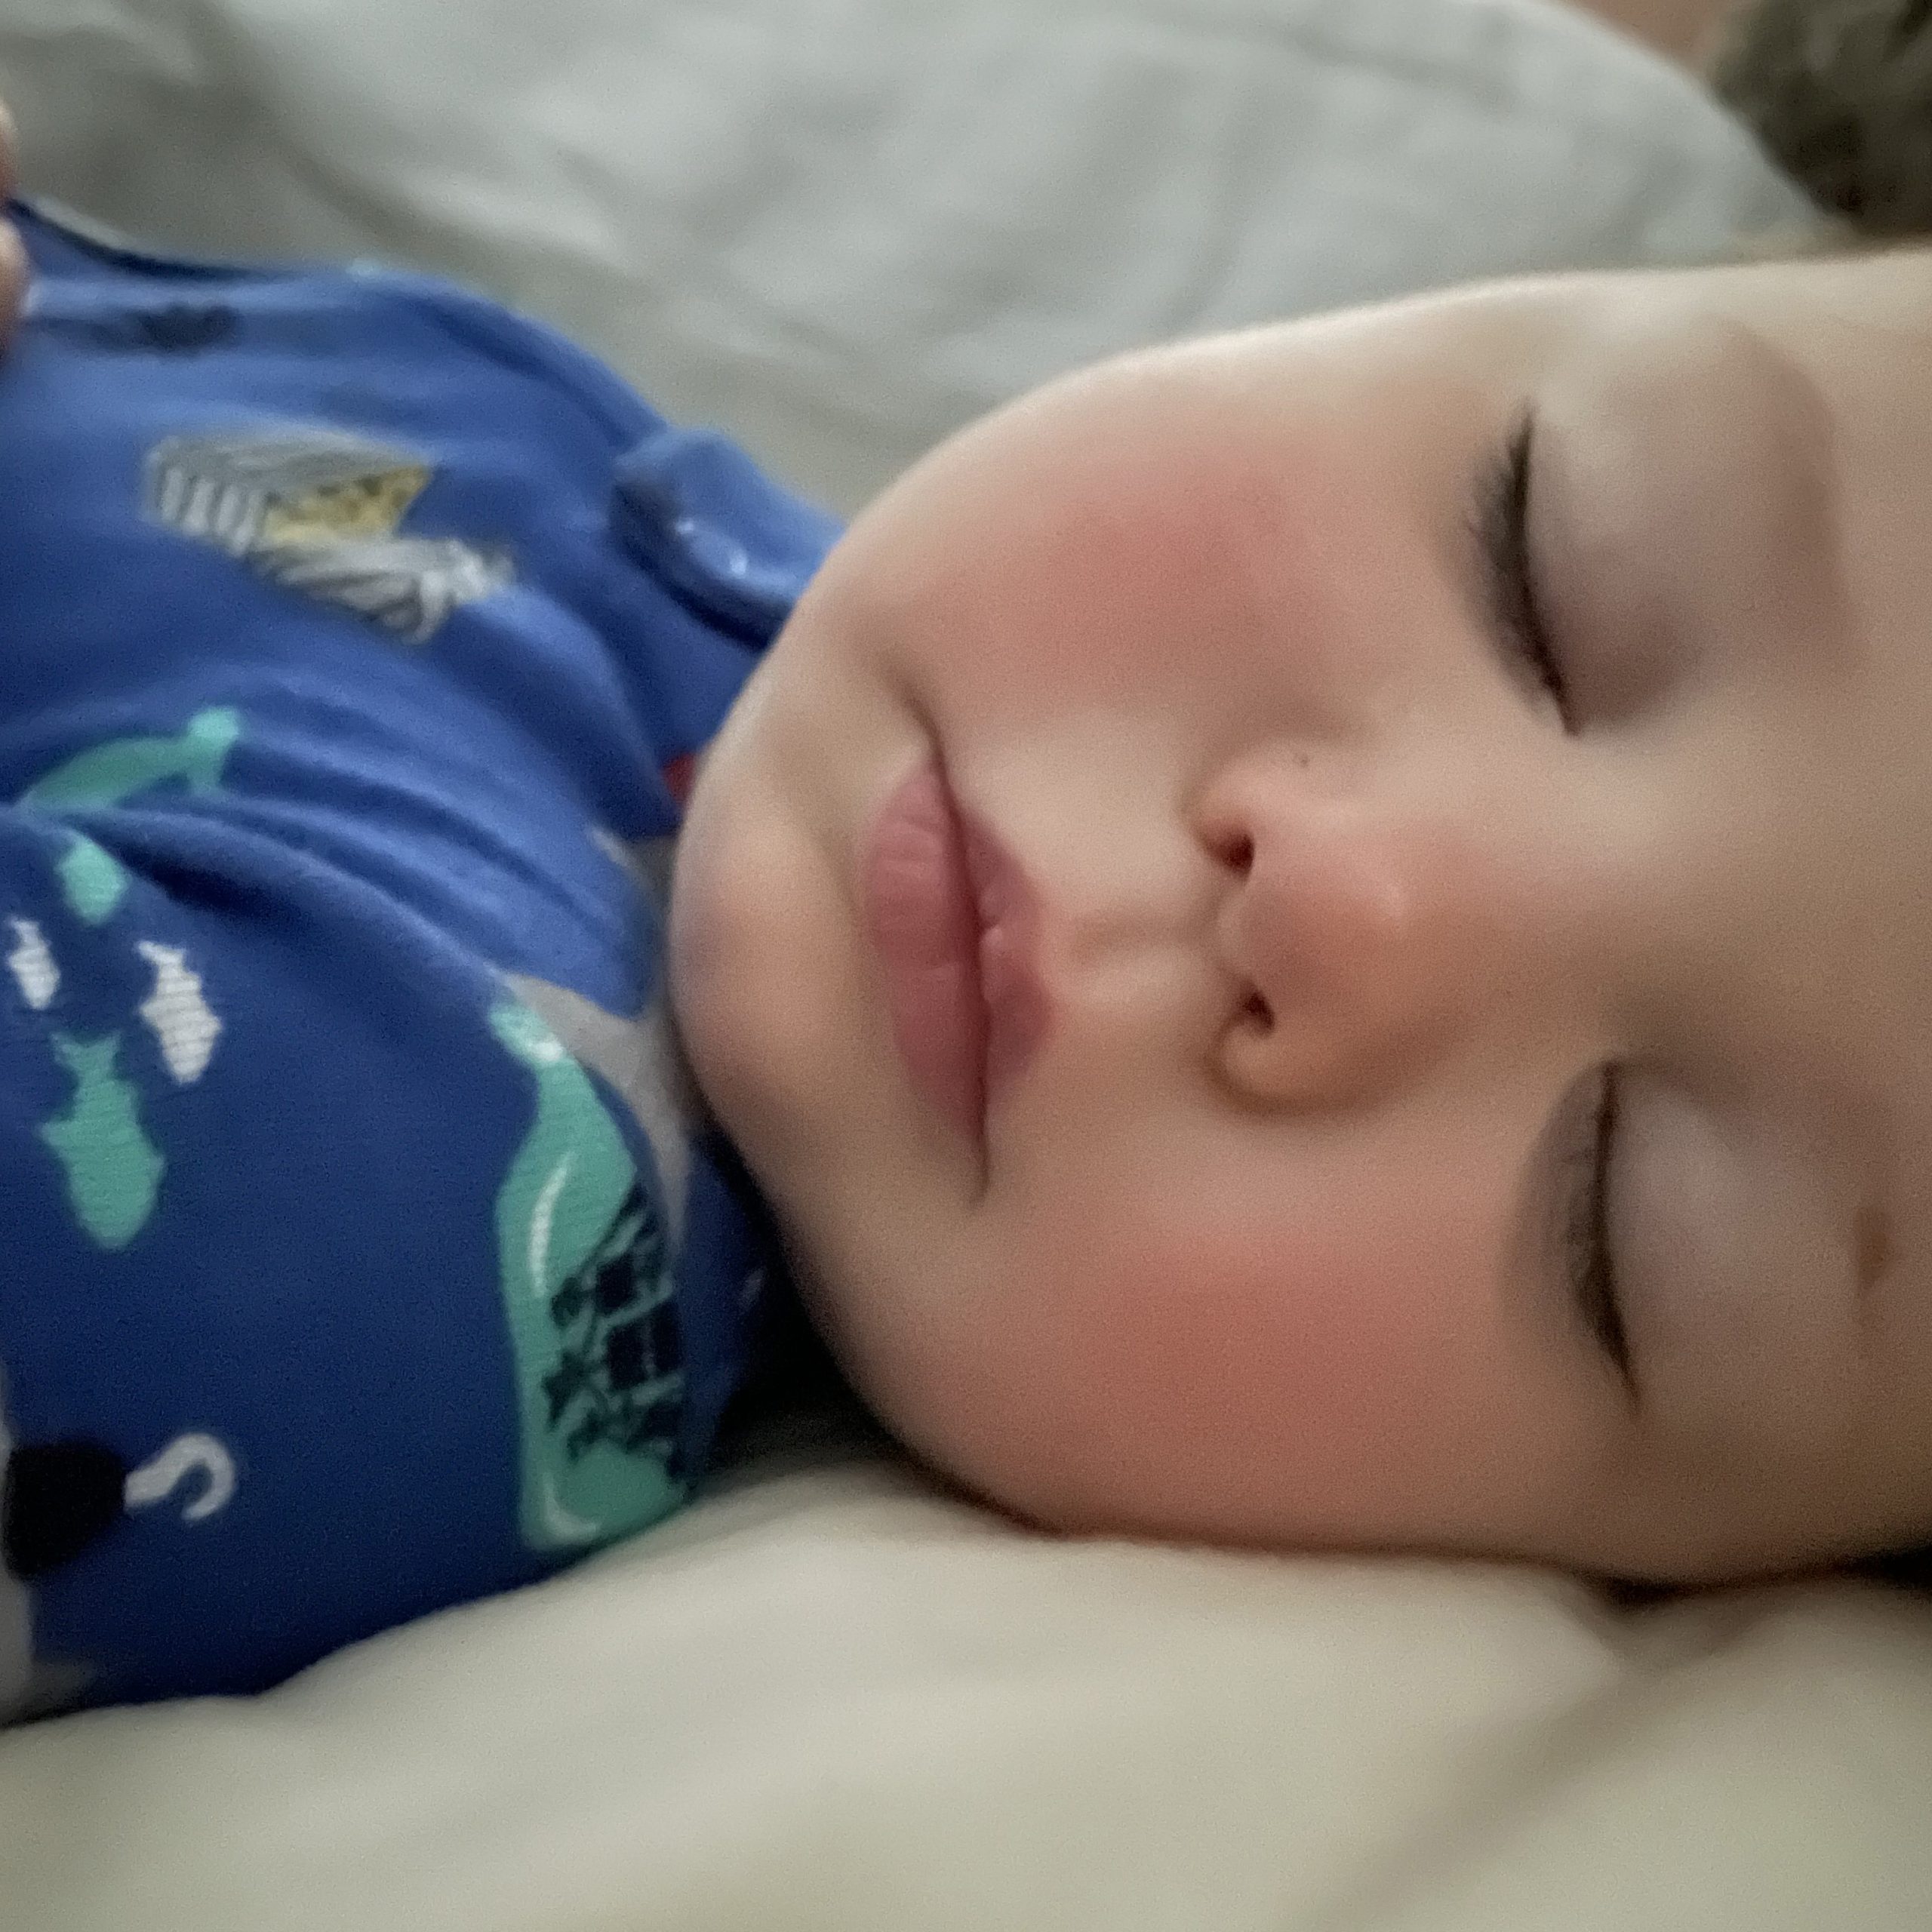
[(839, 228)]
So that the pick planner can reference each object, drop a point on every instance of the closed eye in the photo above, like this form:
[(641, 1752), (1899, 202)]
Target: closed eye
[(1507, 568), (1589, 1262)]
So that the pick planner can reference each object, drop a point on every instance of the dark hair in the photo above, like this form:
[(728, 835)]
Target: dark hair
[(1840, 93)]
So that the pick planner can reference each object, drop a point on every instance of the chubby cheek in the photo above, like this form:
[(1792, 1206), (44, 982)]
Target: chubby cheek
[(1102, 555), (1168, 1380)]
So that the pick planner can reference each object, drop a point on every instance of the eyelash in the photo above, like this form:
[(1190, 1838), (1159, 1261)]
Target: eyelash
[(1510, 567), (1587, 1260)]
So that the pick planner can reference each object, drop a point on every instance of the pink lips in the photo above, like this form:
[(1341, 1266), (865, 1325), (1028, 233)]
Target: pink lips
[(952, 919)]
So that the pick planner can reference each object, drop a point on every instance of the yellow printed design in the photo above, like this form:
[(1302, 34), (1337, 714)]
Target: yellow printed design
[(321, 513), (367, 506)]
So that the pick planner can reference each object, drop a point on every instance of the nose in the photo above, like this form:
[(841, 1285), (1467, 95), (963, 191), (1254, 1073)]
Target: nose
[(1355, 930)]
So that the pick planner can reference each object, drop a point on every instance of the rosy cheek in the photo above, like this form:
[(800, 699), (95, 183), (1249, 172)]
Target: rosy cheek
[(1312, 1355), (1216, 1388), (1116, 572)]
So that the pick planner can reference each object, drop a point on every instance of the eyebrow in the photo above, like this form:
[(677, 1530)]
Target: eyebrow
[(1722, 379), (1799, 419), (1872, 1245)]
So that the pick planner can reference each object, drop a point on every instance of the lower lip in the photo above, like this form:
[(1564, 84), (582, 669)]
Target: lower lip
[(948, 916)]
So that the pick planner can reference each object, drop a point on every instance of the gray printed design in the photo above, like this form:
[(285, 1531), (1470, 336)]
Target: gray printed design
[(245, 493), (638, 1055), (320, 513)]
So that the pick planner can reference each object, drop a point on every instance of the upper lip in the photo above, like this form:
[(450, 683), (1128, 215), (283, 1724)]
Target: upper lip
[(1011, 991)]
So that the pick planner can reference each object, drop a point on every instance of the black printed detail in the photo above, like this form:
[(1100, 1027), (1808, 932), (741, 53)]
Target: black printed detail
[(181, 328), (58, 1498), (619, 1380)]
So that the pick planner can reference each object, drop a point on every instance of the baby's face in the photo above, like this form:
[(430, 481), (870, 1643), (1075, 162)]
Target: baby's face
[(1448, 1062)]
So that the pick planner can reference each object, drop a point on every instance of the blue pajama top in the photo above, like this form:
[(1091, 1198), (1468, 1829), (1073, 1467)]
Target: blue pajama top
[(365, 1249)]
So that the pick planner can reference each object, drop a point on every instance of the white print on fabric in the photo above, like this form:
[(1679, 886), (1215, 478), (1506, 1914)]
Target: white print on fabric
[(177, 1014), (185, 1458), (32, 964)]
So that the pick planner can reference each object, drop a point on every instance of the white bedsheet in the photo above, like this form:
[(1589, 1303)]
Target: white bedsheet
[(836, 1702), (833, 1698)]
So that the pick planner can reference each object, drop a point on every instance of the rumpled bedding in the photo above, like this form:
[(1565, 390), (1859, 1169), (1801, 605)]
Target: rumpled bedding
[(837, 228), (833, 1695), (834, 1701)]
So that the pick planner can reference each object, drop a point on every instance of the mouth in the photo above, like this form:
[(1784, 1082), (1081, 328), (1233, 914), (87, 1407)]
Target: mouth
[(952, 919)]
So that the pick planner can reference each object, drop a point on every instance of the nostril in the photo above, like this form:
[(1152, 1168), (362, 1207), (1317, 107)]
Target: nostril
[(1236, 851)]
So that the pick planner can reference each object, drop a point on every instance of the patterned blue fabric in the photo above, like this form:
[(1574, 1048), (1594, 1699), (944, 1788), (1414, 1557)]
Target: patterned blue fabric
[(365, 1251)]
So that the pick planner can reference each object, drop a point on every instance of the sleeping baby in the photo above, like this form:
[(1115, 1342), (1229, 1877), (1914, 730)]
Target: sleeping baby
[(1315, 938)]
